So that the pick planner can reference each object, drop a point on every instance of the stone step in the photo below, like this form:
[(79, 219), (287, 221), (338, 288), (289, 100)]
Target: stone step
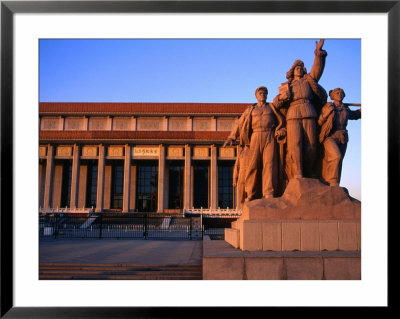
[(116, 277), (55, 271), (127, 273), (167, 269), (119, 265)]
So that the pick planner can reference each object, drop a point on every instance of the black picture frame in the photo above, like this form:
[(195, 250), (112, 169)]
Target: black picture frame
[(9, 8)]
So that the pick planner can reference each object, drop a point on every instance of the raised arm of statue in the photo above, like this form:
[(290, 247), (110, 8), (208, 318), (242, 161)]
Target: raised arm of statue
[(319, 61)]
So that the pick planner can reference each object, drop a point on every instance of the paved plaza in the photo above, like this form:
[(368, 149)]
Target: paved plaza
[(121, 251)]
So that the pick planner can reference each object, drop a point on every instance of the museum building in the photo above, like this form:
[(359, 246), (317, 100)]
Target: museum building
[(137, 157)]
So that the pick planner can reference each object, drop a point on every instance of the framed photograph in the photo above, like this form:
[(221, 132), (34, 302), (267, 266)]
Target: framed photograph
[(373, 25)]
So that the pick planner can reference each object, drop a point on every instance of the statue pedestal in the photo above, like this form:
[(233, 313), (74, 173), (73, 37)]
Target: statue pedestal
[(223, 262), (311, 232), (295, 235), (309, 216)]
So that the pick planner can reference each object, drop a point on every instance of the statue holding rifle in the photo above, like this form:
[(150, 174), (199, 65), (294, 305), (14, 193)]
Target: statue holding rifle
[(334, 137)]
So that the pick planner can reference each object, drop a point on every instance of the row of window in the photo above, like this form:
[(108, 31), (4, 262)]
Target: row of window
[(147, 184)]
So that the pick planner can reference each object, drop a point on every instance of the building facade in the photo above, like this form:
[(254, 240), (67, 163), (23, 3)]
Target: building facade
[(136, 157)]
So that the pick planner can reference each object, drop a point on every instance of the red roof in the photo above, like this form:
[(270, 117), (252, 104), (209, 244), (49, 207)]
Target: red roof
[(128, 136), (141, 108)]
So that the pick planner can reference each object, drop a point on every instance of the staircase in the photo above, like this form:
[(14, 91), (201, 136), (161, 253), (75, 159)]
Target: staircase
[(166, 222), (87, 223), (59, 271)]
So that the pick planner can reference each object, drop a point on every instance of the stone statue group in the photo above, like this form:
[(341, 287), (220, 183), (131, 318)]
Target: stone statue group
[(298, 135)]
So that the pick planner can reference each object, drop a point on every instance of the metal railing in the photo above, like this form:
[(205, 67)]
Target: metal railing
[(145, 226)]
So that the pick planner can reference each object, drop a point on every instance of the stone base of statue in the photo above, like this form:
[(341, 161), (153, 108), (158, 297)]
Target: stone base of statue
[(309, 216), (312, 231)]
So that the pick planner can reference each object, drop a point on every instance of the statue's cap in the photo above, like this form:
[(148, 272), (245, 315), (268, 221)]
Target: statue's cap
[(289, 73)]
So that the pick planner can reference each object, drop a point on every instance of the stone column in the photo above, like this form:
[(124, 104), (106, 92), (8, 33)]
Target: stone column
[(57, 180), (161, 178), (107, 186), (127, 179), (100, 179), (166, 186), (213, 126), (48, 184), (74, 177), (61, 123), (165, 123), (42, 178), (83, 171), (214, 178), (86, 123), (187, 178), (189, 123), (109, 123), (133, 188)]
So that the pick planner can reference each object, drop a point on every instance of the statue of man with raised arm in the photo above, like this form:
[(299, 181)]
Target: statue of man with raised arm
[(301, 99)]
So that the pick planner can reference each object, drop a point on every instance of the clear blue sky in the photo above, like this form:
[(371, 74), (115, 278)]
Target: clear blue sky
[(203, 70)]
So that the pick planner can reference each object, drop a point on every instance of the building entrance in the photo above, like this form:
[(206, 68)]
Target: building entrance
[(175, 190), (91, 182), (225, 188), (117, 185), (147, 186), (200, 185)]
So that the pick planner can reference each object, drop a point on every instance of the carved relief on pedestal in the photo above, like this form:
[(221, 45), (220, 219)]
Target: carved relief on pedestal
[(42, 151), (89, 151), (122, 123), (73, 123), (115, 151), (97, 123), (177, 123), (201, 124), (174, 151), (50, 123), (225, 124), (201, 152), (149, 123), (64, 151), (225, 152)]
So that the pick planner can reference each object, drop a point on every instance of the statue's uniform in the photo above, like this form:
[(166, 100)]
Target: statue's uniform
[(239, 175), (262, 151), (301, 117), (301, 128), (334, 136), (256, 129)]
